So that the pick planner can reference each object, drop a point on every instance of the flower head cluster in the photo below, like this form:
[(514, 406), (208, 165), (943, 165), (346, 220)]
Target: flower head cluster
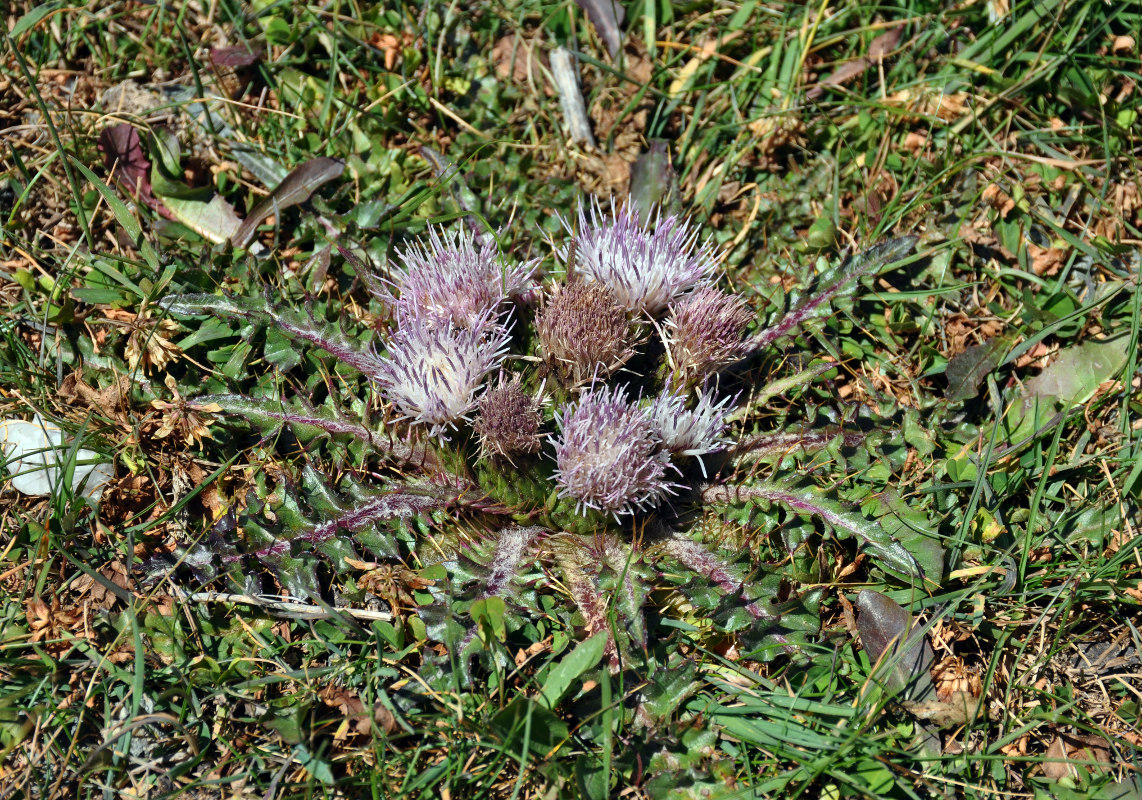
[(608, 455), (704, 332), (432, 371), (583, 332), (646, 266), (455, 279), (689, 431)]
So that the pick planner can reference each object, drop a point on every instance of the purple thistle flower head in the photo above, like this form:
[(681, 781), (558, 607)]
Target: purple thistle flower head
[(689, 431), (433, 371), (509, 421), (455, 279), (646, 266), (583, 332), (704, 332), (608, 455)]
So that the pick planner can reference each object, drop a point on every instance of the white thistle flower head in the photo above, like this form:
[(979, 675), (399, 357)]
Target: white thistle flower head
[(690, 431), (453, 278), (646, 266), (608, 456), (432, 371)]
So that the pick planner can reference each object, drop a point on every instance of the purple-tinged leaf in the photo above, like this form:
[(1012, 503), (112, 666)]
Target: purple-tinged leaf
[(512, 544), (299, 327), (328, 339), (699, 559), (769, 445), (890, 638), (190, 305), (297, 187), (306, 424), (578, 572), (870, 260), (398, 504), (123, 154), (630, 594), (606, 16), (268, 415), (891, 554), (967, 370), (239, 56), (759, 402)]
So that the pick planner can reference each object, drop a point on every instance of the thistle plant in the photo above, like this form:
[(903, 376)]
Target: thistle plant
[(594, 444)]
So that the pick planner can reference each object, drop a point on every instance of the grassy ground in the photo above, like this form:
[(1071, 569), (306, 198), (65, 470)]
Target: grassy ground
[(1005, 135)]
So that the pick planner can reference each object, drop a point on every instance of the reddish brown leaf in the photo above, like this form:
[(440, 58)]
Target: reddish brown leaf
[(124, 156), (235, 56), (297, 187), (885, 43)]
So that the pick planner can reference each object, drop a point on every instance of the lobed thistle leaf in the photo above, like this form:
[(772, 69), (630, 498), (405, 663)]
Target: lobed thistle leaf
[(293, 324), (646, 266), (398, 504), (512, 544), (770, 445), (577, 570), (892, 555), (701, 560), (308, 423), (834, 283), (432, 373), (329, 338), (456, 280), (315, 516), (191, 305), (758, 401), (608, 455), (627, 587)]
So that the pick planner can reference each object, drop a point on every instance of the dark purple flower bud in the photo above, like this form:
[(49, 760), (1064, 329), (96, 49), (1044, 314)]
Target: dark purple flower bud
[(432, 371), (608, 455), (646, 266), (456, 279), (583, 333), (704, 333), (509, 421)]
